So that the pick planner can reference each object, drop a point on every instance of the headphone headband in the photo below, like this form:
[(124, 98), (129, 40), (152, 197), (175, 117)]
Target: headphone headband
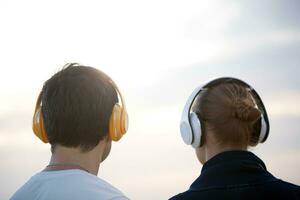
[(118, 92)]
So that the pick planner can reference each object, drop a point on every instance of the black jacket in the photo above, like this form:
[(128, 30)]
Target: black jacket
[(238, 175)]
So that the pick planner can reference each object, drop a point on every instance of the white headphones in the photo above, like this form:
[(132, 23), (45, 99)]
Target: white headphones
[(190, 125)]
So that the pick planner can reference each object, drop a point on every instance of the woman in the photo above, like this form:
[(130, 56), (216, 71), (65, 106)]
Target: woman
[(221, 120)]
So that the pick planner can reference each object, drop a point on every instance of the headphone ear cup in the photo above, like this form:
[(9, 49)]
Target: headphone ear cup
[(124, 121), (38, 126), (196, 128), (115, 129), (186, 132), (259, 134), (263, 130)]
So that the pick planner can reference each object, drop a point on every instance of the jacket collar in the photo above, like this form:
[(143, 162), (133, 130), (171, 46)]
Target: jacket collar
[(232, 168)]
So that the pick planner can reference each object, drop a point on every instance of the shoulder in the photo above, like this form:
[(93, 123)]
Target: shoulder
[(178, 196), (27, 190), (290, 187), (190, 195), (104, 187)]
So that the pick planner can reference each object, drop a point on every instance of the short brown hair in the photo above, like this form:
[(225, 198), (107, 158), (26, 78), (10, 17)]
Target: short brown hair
[(77, 103), (229, 110)]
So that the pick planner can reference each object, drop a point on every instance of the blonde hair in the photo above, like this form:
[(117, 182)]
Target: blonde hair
[(230, 111)]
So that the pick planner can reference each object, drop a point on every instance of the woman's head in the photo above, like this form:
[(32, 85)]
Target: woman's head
[(228, 116)]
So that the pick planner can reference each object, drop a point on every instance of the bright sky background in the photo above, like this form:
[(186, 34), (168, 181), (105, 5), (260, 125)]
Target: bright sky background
[(157, 51)]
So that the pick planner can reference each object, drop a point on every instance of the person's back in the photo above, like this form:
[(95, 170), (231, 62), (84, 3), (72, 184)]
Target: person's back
[(227, 117), (238, 175), (70, 184), (77, 112)]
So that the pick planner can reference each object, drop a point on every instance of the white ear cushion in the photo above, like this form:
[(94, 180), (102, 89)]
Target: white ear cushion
[(126, 122), (186, 132), (196, 127), (263, 130)]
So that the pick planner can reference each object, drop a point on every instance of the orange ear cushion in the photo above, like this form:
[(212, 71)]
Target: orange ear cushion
[(115, 130), (124, 121), (38, 126)]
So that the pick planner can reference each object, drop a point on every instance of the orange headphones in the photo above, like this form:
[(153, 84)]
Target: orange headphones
[(118, 122)]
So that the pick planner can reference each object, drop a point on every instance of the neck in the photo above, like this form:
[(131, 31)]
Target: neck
[(215, 151), (89, 161)]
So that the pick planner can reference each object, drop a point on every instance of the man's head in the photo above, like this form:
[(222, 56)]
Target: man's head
[(77, 103)]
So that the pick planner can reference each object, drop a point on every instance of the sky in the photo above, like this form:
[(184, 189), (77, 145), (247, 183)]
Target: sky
[(157, 52)]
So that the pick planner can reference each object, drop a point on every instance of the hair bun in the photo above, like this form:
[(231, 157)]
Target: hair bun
[(246, 112)]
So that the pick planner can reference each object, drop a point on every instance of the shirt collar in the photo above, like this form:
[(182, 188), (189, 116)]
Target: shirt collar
[(232, 156)]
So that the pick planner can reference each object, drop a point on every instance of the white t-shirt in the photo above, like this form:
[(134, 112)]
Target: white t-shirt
[(71, 184)]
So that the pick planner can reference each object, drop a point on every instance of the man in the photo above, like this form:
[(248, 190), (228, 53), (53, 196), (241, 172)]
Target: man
[(78, 114)]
